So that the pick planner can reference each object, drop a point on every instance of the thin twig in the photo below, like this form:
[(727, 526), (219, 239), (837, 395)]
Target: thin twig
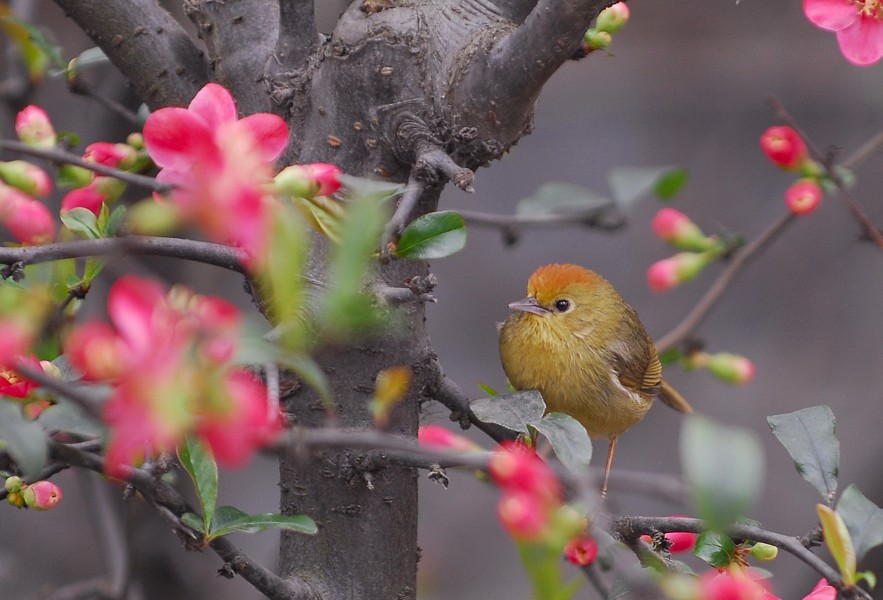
[(81, 88), (58, 155), (76, 394)]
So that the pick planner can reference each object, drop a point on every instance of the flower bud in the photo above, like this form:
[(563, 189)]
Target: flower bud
[(523, 515), (13, 484), (31, 223), (680, 268), (596, 40), (803, 197), (784, 147), (136, 141), (15, 499), (732, 368), (675, 227), (308, 181), (764, 552), (613, 18), (34, 128), (327, 176), (581, 550), (516, 467), (118, 156), (85, 197), (73, 176), (26, 177), (441, 437), (42, 495)]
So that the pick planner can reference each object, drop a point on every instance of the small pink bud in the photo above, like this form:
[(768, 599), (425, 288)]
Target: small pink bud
[(784, 147), (42, 495), (732, 368), (34, 127), (581, 550), (308, 181), (681, 541), (675, 227), (523, 515), (86, 197), (118, 156), (31, 223), (26, 177), (327, 176), (516, 467), (803, 197), (441, 437), (613, 18), (680, 268)]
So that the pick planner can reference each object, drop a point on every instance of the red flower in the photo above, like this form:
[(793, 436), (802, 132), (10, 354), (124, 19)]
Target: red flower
[(441, 437), (803, 197), (784, 147), (515, 467), (858, 24), (681, 541), (524, 515), (219, 163), (85, 197), (581, 550), (14, 385), (732, 585), (822, 591)]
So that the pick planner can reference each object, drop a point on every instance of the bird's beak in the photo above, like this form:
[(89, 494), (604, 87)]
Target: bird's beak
[(529, 305)]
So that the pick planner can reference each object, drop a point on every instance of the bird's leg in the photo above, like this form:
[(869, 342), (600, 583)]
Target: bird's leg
[(610, 450)]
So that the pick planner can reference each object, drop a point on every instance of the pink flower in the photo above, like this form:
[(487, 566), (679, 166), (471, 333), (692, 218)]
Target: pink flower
[(515, 467), (675, 227), (581, 550), (441, 437), (16, 336), (784, 147), (167, 357), (822, 591), (731, 585), (27, 177), (117, 156), (14, 385), (858, 24), (34, 127), (523, 515), (85, 197), (41, 495), (29, 221), (803, 197), (219, 163)]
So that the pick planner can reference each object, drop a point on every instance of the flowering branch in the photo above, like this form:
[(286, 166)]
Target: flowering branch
[(632, 528), (205, 252), (58, 155)]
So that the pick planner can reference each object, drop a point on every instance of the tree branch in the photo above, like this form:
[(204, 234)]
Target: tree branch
[(146, 44), (298, 36), (218, 255)]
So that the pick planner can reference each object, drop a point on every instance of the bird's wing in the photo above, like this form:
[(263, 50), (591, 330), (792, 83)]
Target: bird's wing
[(638, 367)]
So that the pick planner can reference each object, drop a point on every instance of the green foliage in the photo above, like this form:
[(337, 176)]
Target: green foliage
[(863, 519), (629, 184), (562, 198), (434, 235), (37, 50), (839, 543), (23, 439), (725, 467), (543, 565), (715, 548), (197, 460), (569, 439), (808, 435), (70, 418)]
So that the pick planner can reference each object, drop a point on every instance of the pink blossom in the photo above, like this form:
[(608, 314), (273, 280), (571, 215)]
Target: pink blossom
[(117, 156), (29, 221), (734, 584), (804, 196), (857, 23), (784, 147), (16, 336), (523, 515), (675, 227), (442, 437), (85, 197), (27, 177), (34, 127), (167, 357), (515, 467), (681, 541), (308, 181), (822, 591), (219, 163), (581, 550), (41, 495), (14, 385)]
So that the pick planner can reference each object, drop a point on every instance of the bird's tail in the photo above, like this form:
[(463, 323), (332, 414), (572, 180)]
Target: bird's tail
[(670, 396)]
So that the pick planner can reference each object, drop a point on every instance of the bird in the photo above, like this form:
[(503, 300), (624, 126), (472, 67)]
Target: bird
[(576, 341)]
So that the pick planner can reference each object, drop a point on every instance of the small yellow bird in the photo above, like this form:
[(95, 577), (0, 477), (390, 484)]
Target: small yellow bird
[(576, 341)]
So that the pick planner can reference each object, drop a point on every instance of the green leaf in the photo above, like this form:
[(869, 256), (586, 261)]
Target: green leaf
[(868, 576), (434, 235), (68, 417), (200, 464), (94, 266), (670, 183), (83, 222), (562, 198), (487, 389), (839, 543), (306, 368), (113, 222), (347, 309), (671, 355), (23, 439), (514, 411), (193, 521), (370, 188), (87, 58), (863, 519), (725, 467), (229, 519), (715, 548), (35, 47), (569, 440), (808, 435), (629, 184)]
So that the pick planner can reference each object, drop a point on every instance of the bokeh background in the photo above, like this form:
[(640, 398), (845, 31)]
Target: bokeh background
[(686, 85)]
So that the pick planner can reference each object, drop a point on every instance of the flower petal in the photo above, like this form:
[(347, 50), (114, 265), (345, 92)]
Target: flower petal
[(215, 105), (270, 133), (130, 304), (832, 15), (862, 42), (176, 138)]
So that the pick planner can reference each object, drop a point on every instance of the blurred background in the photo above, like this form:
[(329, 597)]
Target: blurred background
[(686, 85)]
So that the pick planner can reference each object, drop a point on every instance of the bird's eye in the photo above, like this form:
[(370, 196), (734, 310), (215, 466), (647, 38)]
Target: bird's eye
[(562, 305)]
